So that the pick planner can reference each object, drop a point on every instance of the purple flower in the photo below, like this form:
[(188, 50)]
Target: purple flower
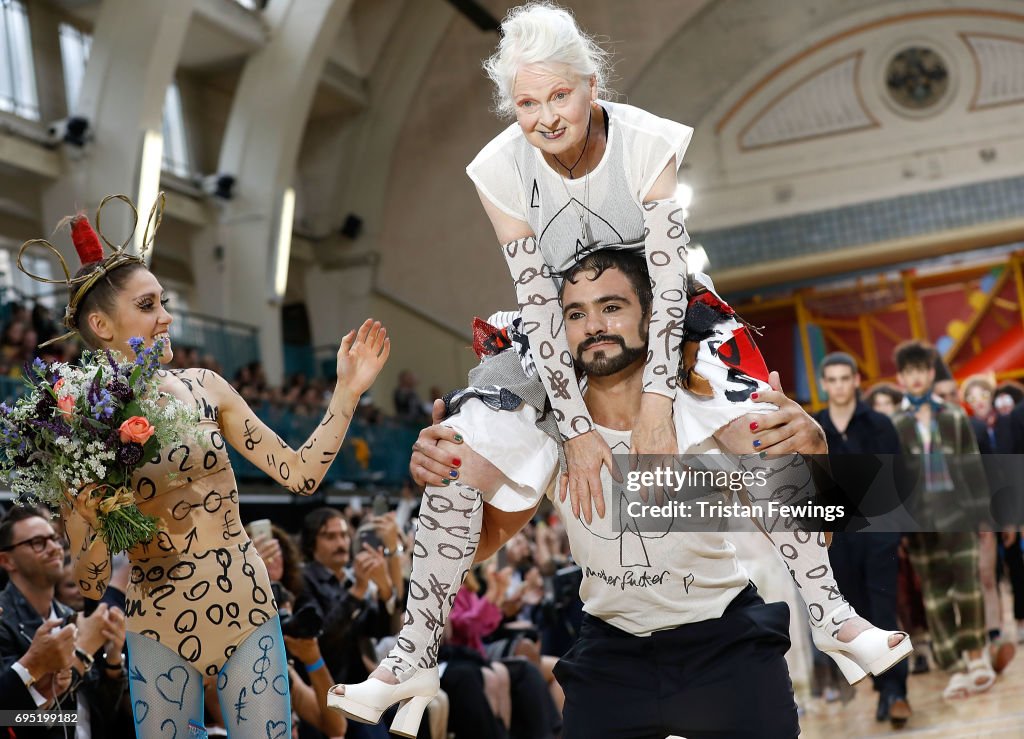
[(120, 390), (130, 454), (135, 343), (57, 426), (45, 405)]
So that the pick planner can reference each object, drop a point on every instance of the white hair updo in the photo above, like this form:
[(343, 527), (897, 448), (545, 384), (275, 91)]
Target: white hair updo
[(542, 33)]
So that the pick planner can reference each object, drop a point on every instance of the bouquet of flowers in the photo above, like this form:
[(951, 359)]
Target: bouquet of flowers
[(92, 425)]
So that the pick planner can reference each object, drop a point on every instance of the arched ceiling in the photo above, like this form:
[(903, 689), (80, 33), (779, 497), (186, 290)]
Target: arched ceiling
[(684, 61)]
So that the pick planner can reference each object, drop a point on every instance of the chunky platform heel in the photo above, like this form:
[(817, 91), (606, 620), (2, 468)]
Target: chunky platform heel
[(868, 653), (369, 699)]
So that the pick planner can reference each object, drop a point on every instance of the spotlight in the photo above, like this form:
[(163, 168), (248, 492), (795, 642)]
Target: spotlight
[(73, 130), (219, 185), (352, 227), (477, 14), (696, 258)]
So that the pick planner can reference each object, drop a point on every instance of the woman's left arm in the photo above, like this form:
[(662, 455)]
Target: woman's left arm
[(360, 359), (665, 250)]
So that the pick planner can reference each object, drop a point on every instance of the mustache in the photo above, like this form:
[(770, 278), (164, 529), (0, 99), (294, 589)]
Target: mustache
[(601, 339)]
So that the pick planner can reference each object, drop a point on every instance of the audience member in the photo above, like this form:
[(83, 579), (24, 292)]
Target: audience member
[(354, 595), (33, 556), (409, 406)]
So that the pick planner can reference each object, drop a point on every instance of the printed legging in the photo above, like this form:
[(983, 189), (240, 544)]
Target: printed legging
[(252, 687)]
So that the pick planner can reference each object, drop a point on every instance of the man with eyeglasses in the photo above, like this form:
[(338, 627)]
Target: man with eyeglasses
[(33, 556)]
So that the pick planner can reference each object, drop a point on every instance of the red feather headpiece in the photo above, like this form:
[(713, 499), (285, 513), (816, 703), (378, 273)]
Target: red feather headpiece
[(87, 243)]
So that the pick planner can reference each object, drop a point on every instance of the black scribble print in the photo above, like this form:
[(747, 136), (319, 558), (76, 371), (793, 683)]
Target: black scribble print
[(251, 437), (558, 384), (231, 527), (665, 251), (537, 295), (789, 481)]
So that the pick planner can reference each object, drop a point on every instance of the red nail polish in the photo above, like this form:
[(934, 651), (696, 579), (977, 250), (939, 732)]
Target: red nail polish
[(456, 462), (753, 396), (753, 426)]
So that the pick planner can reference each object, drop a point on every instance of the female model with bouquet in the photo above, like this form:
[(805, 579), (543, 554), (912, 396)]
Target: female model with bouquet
[(199, 603)]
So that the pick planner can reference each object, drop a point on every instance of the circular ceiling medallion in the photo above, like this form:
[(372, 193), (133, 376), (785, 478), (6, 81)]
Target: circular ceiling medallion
[(917, 78)]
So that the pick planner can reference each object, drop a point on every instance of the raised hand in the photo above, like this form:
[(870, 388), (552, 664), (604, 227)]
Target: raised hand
[(362, 355)]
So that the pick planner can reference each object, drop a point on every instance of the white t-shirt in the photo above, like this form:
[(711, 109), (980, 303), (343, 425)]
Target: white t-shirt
[(642, 582), (513, 175)]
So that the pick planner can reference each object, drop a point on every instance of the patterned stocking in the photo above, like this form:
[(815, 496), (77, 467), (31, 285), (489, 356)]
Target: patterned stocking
[(446, 540), (789, 480)]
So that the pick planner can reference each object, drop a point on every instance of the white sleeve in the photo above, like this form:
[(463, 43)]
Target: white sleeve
[(25, 678), (652, 144), (495, 173)]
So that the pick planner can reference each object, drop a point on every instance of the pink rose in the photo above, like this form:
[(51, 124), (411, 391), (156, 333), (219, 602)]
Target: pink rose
[(66, 404), (136, 429)]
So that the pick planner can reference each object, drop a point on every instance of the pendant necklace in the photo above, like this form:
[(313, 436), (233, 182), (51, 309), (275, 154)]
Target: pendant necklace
[(584, 213)]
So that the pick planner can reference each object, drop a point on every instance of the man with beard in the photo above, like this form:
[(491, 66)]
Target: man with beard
[(353, 592), (33, 555), (675, 639)]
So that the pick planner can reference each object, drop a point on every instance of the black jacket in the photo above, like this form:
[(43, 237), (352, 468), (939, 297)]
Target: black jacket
[(348, 622), (862, 457), (14, 696), (18, 625), (868, 432)]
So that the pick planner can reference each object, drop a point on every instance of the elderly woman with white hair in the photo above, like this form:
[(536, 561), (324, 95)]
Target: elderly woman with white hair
[(573, 175)]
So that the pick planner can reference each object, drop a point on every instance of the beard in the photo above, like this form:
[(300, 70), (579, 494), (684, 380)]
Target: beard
[(603, 365)]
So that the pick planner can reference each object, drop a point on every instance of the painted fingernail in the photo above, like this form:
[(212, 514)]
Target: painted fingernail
[(456, 462), (753, 396), (453, 474), (757, 443), (458, 438), (763, 455), (753, 426), (445, 481)]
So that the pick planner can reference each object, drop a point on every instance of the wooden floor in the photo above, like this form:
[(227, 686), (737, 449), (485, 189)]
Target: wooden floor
[(995, 714)]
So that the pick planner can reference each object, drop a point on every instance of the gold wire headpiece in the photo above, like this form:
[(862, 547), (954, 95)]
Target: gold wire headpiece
[(118, 258)]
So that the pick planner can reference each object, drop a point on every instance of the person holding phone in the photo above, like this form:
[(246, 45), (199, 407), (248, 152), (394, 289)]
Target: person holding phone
[(350, 584)]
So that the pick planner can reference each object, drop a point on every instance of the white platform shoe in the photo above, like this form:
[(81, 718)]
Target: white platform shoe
[(868, 653), (369, 699)]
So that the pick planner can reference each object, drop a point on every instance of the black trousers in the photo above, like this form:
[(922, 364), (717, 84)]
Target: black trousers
[(722, 678), (1014, 559), (866, 567)]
